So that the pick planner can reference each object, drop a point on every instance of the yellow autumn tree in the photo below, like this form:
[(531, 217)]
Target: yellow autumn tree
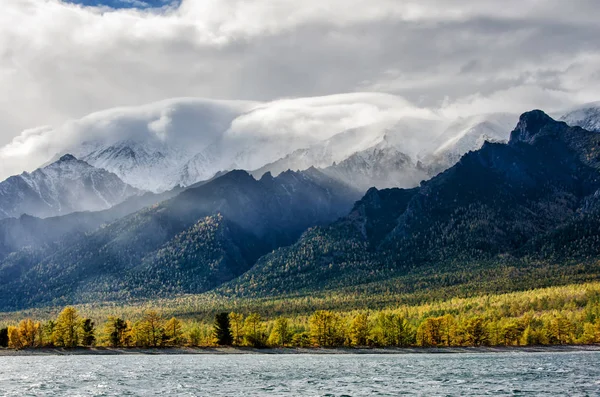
[(29, 333), (67, 328), (150, 330), (236, 321), (14, 338), (174, 332)]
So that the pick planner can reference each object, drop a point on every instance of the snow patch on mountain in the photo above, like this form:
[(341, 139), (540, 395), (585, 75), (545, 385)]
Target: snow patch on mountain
[(585, 116), (465, 135), (65, 186)]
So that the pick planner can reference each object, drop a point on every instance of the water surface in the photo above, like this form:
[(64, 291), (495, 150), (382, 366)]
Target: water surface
[(518, 373)]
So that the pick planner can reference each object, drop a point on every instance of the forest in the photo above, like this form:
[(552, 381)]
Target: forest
[(546, 316)]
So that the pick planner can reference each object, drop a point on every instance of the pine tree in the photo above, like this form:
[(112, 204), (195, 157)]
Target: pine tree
[(4, 337), (88, 332), (116, 330), (222, 330)]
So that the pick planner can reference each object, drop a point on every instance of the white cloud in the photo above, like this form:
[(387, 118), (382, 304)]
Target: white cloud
[(61, 61), (262, 132)]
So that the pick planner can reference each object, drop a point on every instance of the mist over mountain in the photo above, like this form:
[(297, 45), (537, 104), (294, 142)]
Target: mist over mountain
[(40, 233), (180, 142)]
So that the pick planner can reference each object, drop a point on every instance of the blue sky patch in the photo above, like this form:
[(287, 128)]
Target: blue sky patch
[(143, 4)]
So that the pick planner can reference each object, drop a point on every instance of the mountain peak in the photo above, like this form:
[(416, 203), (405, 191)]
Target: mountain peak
[(67, 157), (530, 124), (267, 176)]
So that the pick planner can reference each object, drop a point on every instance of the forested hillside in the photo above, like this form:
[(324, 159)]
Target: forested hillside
[(506, 217), (531, 201), (206, 235)]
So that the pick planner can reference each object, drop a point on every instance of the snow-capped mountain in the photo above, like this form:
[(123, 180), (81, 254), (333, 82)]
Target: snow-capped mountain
[(152, 165), (400, 153), (404, 136), (381, 166), (184, 140), (586, 116), (465, 135), (393, 152), (65, 186)]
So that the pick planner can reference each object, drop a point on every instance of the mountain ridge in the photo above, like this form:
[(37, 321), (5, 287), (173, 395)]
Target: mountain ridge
[(64, 186)]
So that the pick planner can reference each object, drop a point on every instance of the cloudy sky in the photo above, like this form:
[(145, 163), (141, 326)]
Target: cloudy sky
[(62, 60)]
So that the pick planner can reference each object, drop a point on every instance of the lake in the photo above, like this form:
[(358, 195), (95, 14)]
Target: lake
[(512, 373)]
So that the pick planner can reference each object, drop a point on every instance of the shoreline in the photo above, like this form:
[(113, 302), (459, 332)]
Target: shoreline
[(106, 351)]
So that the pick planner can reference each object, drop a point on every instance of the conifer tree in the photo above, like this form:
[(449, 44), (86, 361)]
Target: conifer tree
[(325, 328), (4, 337), (88, 332), (222, 330), (116, 330)]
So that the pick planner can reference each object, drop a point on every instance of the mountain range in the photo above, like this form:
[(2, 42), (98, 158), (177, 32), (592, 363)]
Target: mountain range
[(479, 193), (200, 238), (501, 204)]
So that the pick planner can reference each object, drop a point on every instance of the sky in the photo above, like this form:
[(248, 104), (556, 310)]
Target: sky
[(60, 61)]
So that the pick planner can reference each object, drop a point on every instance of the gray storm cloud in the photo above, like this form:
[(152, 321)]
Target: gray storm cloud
[(61, 61)]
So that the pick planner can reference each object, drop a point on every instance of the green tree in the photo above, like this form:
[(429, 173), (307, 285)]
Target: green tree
[(4, 337), (281, 335), (48, 330), (301, 339), (393, 330), (195, 335), (236, 321), (326, 329), (66, 330), (476, 333), (88, 332), (254, 330), (222, 330), (360, 329), (116, 330), (174, 332)]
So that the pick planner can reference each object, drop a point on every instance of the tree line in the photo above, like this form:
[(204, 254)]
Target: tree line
[(558, 316)]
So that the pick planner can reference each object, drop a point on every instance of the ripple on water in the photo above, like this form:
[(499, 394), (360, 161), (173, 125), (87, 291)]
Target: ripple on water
[(550, 374)]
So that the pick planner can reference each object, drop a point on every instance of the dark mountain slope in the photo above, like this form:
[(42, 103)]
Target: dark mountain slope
[(37, 233), (490, 207), (126, 258)]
